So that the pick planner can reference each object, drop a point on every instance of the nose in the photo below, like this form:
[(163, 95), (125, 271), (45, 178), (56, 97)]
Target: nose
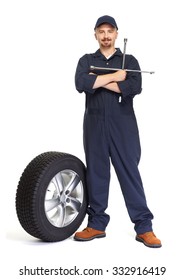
[(106, 34)]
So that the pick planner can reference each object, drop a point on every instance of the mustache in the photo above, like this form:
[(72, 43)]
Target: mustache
[(106, 39)]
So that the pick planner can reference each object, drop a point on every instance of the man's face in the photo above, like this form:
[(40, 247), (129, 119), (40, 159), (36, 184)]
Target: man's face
[(106, 35)]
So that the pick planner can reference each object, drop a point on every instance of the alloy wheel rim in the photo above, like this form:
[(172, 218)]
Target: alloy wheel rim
[(63, 198)]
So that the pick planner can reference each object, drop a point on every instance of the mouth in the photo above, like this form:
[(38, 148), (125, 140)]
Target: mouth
[(106, 40)]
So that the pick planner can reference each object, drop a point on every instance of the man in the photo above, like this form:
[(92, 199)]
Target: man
[(110, 132)]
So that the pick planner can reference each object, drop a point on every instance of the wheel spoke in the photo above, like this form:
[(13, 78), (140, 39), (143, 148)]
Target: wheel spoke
[(74, 204), (73, 183), (51, 203), (61, 216), (58, 182)]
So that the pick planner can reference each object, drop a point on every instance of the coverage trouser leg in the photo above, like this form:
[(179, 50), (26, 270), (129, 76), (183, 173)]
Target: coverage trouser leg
[(98, 170), (125, 156)]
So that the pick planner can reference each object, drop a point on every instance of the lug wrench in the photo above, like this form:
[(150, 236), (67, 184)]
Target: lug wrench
[(123, 64)]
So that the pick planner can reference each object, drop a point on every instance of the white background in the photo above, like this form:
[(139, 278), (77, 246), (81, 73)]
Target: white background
[(41, 42)]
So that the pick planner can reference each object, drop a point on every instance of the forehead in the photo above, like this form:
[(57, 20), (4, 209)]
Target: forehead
[(105, 26)]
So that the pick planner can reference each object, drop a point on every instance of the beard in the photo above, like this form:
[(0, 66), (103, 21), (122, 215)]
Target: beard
[(106, 42)]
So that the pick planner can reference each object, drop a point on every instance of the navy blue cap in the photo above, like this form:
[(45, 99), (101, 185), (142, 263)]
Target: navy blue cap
[(106, 19)]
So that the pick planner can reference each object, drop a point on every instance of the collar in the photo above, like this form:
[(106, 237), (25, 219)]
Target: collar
[(99, 54)]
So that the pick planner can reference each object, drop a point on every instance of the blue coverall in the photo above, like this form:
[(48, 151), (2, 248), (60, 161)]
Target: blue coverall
[(111, 132)]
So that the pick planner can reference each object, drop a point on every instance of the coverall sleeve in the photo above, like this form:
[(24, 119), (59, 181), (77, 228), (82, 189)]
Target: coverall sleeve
[(83, 80), (132, 85)]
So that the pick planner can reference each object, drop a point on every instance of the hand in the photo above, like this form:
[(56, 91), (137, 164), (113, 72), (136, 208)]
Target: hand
[(120, 75)]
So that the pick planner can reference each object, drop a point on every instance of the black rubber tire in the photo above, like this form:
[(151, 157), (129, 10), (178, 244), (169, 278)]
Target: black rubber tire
[(31, 192)]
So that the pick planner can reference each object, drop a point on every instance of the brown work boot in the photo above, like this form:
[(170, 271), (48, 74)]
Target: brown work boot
[(149, 239), (88, 234)]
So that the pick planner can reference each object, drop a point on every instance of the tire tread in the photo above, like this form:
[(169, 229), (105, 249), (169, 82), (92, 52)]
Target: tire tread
[(27, 191)]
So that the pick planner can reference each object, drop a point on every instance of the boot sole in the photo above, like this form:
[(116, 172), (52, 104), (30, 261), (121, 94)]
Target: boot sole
[(90, 238), (148, 245)]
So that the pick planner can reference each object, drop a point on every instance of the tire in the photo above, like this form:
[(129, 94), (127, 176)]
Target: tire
[(51, 198)]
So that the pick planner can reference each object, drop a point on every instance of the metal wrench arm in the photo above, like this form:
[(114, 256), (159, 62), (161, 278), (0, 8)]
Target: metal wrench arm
[(117, 69)]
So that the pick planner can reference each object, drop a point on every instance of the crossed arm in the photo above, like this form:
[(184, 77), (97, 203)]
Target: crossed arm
[(109, 81)]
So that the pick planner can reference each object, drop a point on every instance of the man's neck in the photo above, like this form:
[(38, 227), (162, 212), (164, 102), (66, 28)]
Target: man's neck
[(108, 52)]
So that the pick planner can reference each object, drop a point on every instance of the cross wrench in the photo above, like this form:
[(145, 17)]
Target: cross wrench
[(123, 64)]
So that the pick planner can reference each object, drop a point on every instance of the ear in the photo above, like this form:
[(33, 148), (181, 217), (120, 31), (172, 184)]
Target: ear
[(95, 35)]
